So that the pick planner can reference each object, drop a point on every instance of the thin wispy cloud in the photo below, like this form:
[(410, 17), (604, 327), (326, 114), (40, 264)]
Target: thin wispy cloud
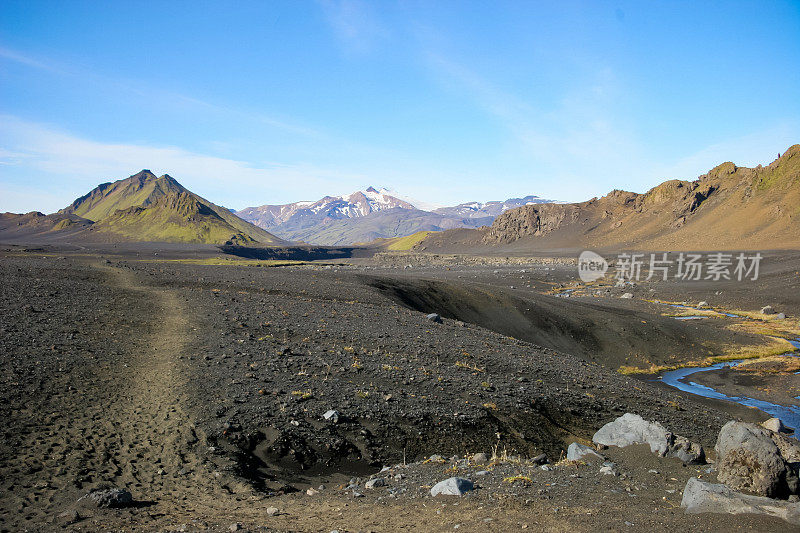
[(571, 140), (354, 23), (153, 94), (80, 164), (22, 59)]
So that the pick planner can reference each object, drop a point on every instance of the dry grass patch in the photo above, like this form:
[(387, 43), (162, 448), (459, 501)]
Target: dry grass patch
[(224, 261), (772, 365), (774, 347)]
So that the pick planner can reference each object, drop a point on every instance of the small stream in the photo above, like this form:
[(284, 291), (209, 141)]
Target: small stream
[(676, 378), (790, 415)]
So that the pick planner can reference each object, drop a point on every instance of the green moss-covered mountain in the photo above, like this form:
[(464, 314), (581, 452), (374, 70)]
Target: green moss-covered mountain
[(144, 207)]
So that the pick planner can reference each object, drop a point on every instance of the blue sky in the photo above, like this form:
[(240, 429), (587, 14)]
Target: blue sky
[(248, 103)]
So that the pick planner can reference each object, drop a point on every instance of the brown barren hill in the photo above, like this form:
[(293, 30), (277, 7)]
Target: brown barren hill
[(730, 207)]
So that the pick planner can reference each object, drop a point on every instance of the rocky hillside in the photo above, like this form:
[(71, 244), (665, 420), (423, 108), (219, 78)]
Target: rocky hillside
[(730, 207), (370, 214), (142, 207)]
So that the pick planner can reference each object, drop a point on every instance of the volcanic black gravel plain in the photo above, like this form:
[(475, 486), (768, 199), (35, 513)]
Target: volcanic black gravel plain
[(202, 389)]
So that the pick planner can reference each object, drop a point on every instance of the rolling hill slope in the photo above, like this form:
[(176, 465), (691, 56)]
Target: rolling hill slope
[(729, 207)]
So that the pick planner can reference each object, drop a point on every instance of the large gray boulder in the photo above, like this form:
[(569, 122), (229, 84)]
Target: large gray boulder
[(703, 497), (454, 486), (580, 452), (633, 429), (749, 459)]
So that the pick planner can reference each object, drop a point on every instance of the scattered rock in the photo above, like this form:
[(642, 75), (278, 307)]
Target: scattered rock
[(110, 498), (750, 460), (434, 317), (627, 296), (702, 497), (235, 527), (767, 310), (312, 491), (68, 517), (702, 304), (332, 416), (454, 486), (633, 429), (780, 316), (375, 483), (687, 451), (480, 458), (577, 452), (272, 511), (540, 459), (608, 469), (776, 425)]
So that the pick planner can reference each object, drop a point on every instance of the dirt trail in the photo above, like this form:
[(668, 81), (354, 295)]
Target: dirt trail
[(120, 421), (151, 444)]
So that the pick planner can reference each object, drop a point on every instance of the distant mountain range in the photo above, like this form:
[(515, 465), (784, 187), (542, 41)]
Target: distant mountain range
[(142, 207), (728, 208), (364, 216)]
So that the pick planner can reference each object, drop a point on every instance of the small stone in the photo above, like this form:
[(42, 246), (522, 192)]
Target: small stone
[(775, 424), (312, 491), (454, 486), (235, 527), (332, 416), (272, 511), (608, 470), (480, 458), (540, 459), (767, 310), (434, 317), (68, 517), (375, 483), (780, 316), (627, 296), (577, 452), (702, 304), (111, 498)]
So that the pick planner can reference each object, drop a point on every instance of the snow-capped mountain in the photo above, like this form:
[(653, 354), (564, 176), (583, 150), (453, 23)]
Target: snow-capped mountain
[(370, 214), (357, 204), (490, 209)]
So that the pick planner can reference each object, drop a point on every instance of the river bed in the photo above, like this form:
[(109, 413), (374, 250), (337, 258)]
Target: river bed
[(789, 414)]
